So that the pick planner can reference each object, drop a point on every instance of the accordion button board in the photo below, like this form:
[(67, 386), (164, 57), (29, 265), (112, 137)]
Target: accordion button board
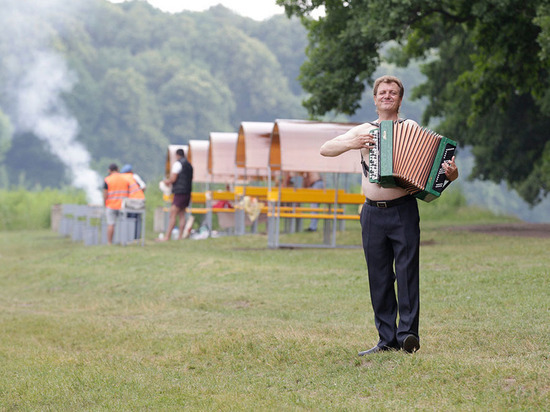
[(411, 157)]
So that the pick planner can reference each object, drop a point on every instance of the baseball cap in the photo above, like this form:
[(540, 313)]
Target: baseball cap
[(126, 168)]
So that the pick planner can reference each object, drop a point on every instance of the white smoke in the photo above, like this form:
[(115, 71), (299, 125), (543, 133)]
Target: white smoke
[(37, 79)]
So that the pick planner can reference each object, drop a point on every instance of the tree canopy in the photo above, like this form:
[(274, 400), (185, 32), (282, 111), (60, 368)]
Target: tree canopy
[(138, 79), (486, 66)]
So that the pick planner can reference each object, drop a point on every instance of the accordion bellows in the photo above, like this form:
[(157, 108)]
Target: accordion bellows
[(410, 156)]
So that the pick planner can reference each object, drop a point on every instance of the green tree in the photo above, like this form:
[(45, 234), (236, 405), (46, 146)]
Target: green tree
[(193, 103), (145, 78), (6, 132), (252, 73), (287, 40), (487, 73), (31, 165), (130, 125)]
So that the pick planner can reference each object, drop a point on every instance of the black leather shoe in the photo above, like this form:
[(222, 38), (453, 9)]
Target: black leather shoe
[(374, 350), (411, 344)]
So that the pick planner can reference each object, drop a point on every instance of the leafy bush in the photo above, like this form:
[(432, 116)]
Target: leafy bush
[(452, 208), (21, 209)]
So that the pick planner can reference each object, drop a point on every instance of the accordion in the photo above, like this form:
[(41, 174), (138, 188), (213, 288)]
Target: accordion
[(410, 156)]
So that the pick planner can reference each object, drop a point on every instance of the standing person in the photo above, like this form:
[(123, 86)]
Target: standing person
[(127, 168), (136, 197), (313, 180), (115, 189), (181, 179), (390, 231)]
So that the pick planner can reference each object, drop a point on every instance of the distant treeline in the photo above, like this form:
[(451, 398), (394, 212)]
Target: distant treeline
[(24, 210), (139, 79)]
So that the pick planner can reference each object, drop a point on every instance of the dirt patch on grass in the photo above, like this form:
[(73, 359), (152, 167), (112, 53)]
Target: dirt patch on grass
[(541, 230)]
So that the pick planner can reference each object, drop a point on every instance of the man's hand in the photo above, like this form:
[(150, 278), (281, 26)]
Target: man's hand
[(451, 171), (363, 141)]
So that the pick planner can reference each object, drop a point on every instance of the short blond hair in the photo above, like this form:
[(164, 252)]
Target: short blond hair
[(389, 79)]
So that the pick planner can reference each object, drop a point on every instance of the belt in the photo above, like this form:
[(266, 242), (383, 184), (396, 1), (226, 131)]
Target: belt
[(388, 203)]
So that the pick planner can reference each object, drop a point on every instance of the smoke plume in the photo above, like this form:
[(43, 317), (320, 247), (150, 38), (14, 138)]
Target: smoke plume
[(37, 76)]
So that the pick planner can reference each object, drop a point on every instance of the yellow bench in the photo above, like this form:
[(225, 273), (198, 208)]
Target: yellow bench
[(204, 197), (239, 221), (331, 210), (259, 192), (324, 196)]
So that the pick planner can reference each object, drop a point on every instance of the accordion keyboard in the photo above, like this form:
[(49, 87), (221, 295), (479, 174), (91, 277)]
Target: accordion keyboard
[(374, 158)]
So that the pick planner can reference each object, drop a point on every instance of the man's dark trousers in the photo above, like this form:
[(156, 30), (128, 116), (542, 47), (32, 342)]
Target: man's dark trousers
[(393, 234)]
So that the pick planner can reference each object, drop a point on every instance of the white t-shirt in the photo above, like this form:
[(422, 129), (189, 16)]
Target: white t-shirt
[(139, 181), (176, 168)]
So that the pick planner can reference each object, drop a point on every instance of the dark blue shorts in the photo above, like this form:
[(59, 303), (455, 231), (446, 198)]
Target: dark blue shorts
[(181, 200)]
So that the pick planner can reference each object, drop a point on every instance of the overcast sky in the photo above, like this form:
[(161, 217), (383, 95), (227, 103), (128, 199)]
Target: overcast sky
[(255, 9)]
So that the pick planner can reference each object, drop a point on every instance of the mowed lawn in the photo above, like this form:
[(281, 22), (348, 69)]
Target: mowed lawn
[(228, 324)]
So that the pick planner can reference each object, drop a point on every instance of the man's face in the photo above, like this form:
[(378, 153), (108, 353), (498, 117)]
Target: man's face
[(387, 97)]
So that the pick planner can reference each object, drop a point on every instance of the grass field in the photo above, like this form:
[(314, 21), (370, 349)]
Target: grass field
[(228, 324)]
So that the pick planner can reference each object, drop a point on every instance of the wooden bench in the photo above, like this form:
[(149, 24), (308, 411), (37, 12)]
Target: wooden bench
[(259, 192), (332, 211), (233, 218), (330, 197)]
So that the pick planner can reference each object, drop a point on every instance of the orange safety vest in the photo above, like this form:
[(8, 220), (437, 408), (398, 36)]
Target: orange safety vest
[(134, 189), (118, 188)]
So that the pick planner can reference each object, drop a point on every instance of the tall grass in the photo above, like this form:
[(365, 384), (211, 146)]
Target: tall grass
[(26, 210), (452, 208), (21, 209)]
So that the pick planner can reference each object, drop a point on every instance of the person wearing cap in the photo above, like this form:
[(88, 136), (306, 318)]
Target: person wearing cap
[(116, 188), (390, 231), (136, 197), (127, 168)]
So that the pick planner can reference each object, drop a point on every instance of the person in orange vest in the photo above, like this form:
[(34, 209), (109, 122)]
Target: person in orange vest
[(127, 168), (137, 187), (115, 190)]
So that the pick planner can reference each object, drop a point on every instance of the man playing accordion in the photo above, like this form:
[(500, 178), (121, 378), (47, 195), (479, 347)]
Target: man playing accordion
[(390, 230)]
